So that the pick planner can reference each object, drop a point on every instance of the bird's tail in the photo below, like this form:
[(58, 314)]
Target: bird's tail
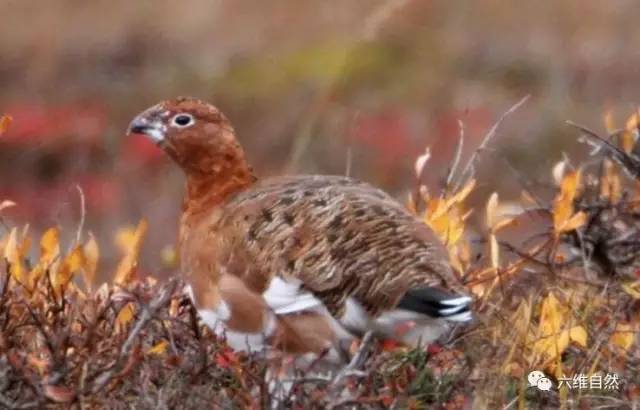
[(423, 315), (437, 304)]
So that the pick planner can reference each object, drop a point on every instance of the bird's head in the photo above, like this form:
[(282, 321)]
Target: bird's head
[(192, 132)]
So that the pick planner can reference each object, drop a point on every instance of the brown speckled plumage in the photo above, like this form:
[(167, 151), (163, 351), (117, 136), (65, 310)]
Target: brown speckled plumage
[(330, 238), (341, 237)]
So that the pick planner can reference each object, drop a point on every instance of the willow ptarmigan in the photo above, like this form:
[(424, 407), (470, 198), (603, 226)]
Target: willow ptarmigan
[(298, 263)]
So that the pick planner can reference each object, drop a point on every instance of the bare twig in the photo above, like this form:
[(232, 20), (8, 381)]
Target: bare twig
[(83, 214), (469, 169), (630, 163), (353, 368), (457, 156), (148, 312), (524, 183)]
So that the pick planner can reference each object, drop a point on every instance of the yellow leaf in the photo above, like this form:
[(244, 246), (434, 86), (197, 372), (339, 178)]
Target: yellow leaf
[(575, 222), (461, 195), (550, 316), (440, 226), (6, 204), (5, 122), (570, 184), (13, 255), (563, 204), (492, 206), (628, 136), (125, 315), (627, 141), (50, 246), (159, 348), (72, 263), (623, 336), (504, 223), (552, 346), (608, 122), (579, 335), (129, 242), (436, 207), (495, 251), (49, 256), (562, 211), (92, 256), (632, 122), (632, 288), (554, 340)]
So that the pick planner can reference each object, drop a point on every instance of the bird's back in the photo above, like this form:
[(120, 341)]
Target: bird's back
[(340, 237)]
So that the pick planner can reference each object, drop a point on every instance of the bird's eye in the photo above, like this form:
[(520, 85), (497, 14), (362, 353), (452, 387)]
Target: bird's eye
[(182, 120)]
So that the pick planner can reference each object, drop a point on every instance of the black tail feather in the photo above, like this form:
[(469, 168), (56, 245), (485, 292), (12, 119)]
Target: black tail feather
[(437, 303)]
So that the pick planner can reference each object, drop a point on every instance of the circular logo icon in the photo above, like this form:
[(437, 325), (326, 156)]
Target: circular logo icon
[(534, 377)]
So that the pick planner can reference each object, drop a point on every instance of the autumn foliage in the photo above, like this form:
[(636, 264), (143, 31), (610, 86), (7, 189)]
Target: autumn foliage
[(556, 281)]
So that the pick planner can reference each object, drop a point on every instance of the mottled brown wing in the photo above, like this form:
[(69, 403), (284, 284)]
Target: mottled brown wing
[(338, 236)]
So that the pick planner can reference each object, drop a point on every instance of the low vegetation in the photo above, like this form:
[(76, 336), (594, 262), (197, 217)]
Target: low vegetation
[(555, 276)]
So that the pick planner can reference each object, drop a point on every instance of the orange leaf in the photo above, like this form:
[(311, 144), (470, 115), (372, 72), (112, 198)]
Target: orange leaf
[(628, 137), (125, 315), (50, 245), (627, 141), (570, 184), (5, 122), (129, 241), (563, 204), (92, 255), (49, 255), (72, 263), (462, 194), (632, 122), (159, 348), (575, 222)]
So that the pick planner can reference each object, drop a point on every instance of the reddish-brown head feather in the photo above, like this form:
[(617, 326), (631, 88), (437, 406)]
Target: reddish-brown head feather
[(204, 145)]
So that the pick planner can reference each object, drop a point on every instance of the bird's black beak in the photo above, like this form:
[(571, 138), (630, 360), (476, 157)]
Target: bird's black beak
[(152, 128)]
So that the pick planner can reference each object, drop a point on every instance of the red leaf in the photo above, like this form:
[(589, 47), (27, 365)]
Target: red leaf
[(59, 394)]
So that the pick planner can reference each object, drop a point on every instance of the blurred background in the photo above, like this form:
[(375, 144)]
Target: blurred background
[(307, 85)]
